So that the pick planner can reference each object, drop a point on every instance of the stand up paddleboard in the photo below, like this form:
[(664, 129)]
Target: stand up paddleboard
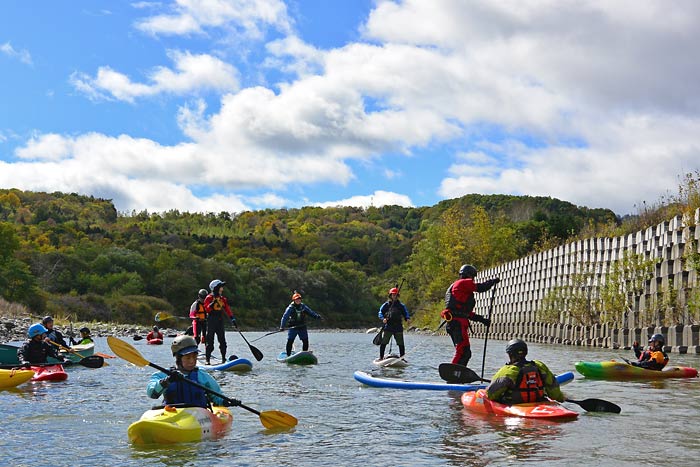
[(305, 357), (392, 361)]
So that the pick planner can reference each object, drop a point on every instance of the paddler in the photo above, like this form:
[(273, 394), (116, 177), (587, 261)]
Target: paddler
[(521, 380), (392, 313), (36, 349), (654, 358), (294, 316), (459, 310), (173, 388), (85, 337)]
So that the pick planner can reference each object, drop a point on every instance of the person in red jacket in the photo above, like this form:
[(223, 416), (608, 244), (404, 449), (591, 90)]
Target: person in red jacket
[(459, 310), (217, 309), (198, 314), (154, 334)]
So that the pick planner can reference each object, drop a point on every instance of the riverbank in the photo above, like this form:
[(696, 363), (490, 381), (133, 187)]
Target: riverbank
[(14, 329)]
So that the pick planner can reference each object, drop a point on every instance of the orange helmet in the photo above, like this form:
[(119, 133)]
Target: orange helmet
[(393, 290), (296, 295)]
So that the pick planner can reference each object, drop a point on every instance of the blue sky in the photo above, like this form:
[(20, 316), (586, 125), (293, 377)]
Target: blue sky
[(231, 105)]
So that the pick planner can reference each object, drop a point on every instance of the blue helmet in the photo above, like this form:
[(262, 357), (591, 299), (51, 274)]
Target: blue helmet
[(36, 330), (215, 284)]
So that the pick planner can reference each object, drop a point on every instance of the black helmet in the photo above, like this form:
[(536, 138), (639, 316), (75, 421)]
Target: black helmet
[(47, 319), (659, 338), (203, 293), (516, 348), (467, 270), (155, 328), (84, 330)]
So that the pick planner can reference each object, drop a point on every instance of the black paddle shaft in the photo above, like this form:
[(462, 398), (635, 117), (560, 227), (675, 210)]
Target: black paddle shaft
[(233, 402)]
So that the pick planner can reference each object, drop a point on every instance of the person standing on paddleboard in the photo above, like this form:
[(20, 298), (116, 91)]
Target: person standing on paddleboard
[(459, 310), (392, 313), (173, 388), (521, 380), (198, 314), (217, 309), (295, 318)]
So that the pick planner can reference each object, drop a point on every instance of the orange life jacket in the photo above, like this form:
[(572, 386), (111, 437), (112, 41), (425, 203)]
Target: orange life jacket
[(528, 386)]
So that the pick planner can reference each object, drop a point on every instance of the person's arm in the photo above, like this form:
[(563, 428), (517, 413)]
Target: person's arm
[(207, 380), (501, 382), (311, 312), (156, 387), (227, 308), (551, 385), (381, 310), (285, 316), (52, 351), (405, 312), (484, 286)]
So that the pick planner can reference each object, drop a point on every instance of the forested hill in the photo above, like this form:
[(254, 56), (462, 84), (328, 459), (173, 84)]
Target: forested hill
[(66, 254)]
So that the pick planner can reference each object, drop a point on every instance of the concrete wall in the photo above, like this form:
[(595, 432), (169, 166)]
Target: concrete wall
[(526, 281)]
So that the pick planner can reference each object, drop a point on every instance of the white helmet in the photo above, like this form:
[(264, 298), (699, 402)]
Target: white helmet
[(183, 345)]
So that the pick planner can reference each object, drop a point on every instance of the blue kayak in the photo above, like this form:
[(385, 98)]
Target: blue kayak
[(369, 380)]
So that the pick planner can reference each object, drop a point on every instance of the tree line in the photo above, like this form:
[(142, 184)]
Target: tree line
[(74, 255)]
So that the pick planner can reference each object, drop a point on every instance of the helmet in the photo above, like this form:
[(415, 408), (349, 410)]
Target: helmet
[(296, 295), (202, 293), (516, 348), (393, 290), (659, 338), (467, 270), (216, 283), (183, 345), (47, 319), (84, 330), (155, 328), (36, 330)]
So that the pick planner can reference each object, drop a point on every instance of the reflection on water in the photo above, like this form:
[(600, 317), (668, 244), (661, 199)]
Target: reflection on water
[(344, 423)]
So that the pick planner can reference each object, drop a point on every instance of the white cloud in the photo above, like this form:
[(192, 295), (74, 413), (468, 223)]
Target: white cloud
[(22, 55), (194, 16), (192, 73), (377, 199)]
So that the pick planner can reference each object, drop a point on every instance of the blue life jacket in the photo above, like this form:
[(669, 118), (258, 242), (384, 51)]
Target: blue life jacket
[(182, 393)]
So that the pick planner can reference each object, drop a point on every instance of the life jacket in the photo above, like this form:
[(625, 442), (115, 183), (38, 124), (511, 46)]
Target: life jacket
[(529, 386), (36, 352), (394, 314), (298, 316), (200, 313), (184, 393), (457, 308), (654, 359)]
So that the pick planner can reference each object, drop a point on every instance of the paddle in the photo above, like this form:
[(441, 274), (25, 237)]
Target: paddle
[(596, 405), (274, 332), (163, 316), (486, 336), (254, 350), (269, 418), (90, 363), (458, 374), (93, 361)]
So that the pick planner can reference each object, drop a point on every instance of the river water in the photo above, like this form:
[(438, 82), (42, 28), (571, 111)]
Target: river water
[(83, 421)]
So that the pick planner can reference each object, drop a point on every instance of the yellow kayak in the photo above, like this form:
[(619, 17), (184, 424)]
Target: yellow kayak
[(12, 378), (171, 425)]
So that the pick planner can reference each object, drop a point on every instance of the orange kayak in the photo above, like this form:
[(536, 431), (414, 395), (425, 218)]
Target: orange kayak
[(620, 371), (476, 401)]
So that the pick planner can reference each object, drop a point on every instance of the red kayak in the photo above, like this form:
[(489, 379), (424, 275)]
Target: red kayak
[(49, 373), (155, 341), (476, 401)]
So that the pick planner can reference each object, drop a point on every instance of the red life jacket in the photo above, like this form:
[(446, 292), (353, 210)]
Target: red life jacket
[(529, 386)]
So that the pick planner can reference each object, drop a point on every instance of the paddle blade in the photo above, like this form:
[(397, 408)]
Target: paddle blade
[(458, 374), (256, 353), (597, 405), (93, 361), (162, 316), (126, 351), (277, 419)]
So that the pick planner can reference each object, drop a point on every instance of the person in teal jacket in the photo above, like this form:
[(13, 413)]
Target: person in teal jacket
[(521, 380), (174, 388)]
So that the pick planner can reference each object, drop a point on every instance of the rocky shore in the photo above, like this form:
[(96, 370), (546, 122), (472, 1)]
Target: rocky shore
[(15, 329)]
